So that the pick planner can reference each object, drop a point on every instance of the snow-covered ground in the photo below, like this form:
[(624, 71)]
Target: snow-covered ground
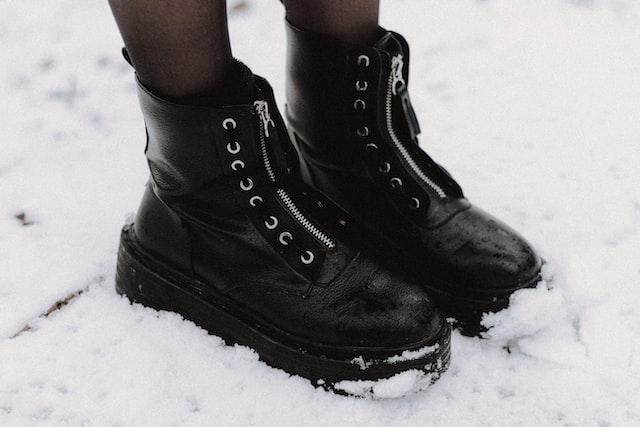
[(533, 106)]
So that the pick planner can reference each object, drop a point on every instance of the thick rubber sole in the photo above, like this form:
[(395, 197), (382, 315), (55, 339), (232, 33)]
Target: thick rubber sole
[(146, 281)]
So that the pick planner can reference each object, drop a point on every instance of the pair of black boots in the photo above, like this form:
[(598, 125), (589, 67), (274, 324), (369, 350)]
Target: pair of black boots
[(329, 257)]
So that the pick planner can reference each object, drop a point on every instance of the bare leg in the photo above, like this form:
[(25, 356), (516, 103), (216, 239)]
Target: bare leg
[(354, 21), (180, 49)]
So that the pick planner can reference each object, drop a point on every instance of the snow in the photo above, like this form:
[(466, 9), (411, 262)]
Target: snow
[(412, 355), (533, 107), (400, 385)]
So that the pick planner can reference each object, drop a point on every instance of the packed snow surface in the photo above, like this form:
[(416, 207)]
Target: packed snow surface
[(533, 106)]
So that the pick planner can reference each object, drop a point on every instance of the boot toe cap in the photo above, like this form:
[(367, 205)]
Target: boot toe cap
[(488, 255)]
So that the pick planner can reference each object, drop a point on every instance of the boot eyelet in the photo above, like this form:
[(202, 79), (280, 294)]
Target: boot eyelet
[(359, 104), (285, 238), (271, 223), (364, 60), (371, 147), (236, 165), (255, 200), (385, 167), (246, 184), (361, 85), (307, 257), (414, 203), (396, 182), (363, 131), (229, 123), (233, 149)]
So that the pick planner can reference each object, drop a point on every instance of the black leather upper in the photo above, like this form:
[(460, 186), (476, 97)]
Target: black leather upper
[(213, 212), (337, 101)]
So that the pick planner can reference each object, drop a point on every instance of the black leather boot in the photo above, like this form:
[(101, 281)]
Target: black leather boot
[(228, 236), (351, 118)]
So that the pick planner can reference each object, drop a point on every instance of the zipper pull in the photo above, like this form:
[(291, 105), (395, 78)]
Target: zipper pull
[(262, 108), (409, 114), (399, 87), (396, 73)]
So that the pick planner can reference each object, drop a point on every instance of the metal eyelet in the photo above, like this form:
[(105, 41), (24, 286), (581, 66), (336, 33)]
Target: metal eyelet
[(273, 224), (415, 203), (254, 200), (363, 131), (385, 167), (283, 235), (361, 85), (359, 104), (396, 182), (371, 147), (364, 60), (229, 121), (246, 184), (308, 259), (233, 149), (236, 165)]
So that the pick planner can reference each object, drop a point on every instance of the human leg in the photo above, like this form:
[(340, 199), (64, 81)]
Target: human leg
[(354, 21), (180, 49)]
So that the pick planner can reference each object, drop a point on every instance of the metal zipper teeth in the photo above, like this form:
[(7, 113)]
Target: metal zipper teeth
[(401, 148), (282, 194), (263, 141), (303, 221)]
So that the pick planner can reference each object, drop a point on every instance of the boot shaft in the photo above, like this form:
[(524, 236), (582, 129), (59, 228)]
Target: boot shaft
[(333, 87)]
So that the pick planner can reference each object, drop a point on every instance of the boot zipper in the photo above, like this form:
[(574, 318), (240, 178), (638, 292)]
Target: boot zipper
[(304, 221), (396, 78), (262, 109)]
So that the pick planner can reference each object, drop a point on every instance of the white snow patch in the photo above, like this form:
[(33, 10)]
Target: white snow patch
[(537, 323), (399, 385), (413, 354), (364, 364)]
